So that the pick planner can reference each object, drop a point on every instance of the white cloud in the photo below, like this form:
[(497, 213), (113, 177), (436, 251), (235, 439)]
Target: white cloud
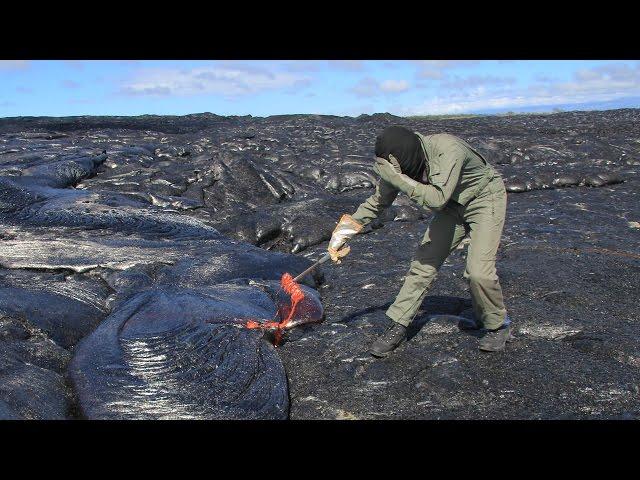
[(302, 66), (366, 87), (75, 64), (601, 84), (230, 79), (319, 65), (347, 65), (370, 87), (435, 69), (394, 86), (13, 64), (473, 81)]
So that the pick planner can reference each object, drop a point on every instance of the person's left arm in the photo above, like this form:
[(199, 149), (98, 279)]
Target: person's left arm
[(443, 178)]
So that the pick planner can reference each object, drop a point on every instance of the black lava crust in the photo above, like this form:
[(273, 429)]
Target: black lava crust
[(134, 249)]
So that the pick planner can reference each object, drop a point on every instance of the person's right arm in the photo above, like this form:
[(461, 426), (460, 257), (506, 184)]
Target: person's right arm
[(373, 206), (350, 225)]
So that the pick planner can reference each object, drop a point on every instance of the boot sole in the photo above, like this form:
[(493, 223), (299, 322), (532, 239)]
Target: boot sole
[(510, 338), (485, 349), (385, 354), (378, 354)]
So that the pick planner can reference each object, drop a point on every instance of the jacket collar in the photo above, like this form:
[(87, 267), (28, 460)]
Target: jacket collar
[(427, 148)]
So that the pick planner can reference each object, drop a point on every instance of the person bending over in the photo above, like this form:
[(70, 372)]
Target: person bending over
[(443, 173)]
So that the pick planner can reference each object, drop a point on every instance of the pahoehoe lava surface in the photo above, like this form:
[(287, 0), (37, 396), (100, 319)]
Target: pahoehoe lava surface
[(167, 355), (133, 249)]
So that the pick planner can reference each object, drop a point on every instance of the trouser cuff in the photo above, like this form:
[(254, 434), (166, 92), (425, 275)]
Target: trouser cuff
[(493, 322), (397, 317)]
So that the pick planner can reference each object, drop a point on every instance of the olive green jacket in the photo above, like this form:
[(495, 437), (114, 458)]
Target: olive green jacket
[(456, 172)]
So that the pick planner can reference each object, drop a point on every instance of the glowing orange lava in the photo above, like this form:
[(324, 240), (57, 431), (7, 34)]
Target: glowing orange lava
[(292, 289)]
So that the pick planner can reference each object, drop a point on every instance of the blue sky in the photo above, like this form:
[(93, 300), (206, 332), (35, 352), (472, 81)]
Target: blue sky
[(353, 87)]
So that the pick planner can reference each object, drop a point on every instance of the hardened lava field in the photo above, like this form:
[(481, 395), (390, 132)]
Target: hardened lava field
[(135, 250)]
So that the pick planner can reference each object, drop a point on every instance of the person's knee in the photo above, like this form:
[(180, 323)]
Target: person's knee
[(480, 277), (423, 269)]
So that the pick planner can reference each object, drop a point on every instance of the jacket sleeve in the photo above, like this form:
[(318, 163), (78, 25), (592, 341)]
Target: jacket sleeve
[(443, 179), (383, 197)]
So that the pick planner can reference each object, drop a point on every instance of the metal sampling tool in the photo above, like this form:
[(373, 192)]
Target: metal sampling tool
[(323, 259)]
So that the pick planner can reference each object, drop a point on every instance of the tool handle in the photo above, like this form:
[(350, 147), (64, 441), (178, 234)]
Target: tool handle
[(323, 259)]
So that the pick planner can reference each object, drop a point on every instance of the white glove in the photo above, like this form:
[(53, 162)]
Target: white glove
[(347, 227)]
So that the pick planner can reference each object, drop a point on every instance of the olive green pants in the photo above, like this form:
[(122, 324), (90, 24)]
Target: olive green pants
[(482, 219)]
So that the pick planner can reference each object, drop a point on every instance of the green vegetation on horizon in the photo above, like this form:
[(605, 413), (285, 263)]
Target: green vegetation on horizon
[(452, 116)]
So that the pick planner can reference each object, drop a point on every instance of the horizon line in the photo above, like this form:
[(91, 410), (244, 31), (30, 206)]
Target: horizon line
[(434, 115)]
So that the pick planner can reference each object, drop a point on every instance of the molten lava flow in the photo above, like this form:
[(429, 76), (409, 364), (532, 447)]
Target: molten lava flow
[(292, 289)]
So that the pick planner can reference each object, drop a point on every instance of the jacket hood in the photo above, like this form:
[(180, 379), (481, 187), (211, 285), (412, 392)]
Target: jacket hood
[(406, 147)]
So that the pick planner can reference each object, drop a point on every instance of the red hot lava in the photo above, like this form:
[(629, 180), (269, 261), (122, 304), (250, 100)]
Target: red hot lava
[(294, 290)]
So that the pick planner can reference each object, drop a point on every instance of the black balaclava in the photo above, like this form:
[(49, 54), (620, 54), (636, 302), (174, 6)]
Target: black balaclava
[(406, 147)]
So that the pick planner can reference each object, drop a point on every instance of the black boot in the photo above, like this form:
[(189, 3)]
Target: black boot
[(389, 340), (495, 340)]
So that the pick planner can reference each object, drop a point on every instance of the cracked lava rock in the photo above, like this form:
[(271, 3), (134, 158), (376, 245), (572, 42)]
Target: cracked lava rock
[(135, 250)]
